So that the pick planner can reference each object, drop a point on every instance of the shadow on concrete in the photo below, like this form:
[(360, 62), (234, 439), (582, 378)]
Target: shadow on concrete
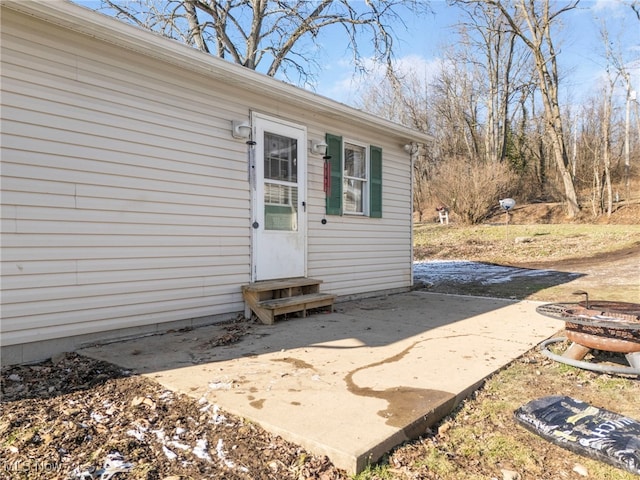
[(358, 324)]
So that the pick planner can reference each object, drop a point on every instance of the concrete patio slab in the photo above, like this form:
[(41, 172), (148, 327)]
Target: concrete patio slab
[(350, 384)]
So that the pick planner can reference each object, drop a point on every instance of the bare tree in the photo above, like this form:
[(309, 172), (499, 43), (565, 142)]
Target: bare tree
[(456, 97), (591, 146), (606, 144), (538, 18), (617, 67), (490, 44), (274, 36)]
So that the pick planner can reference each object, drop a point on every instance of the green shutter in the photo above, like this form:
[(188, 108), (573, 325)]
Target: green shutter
[(334, 195), (375, 182)]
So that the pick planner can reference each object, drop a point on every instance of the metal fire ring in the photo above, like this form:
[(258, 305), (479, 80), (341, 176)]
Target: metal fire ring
[(618, 315), (596, 325)]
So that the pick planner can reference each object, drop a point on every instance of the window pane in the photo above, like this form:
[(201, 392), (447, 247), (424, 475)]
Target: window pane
[(280, 158), (353, 195), (280, 207), (354, 161)]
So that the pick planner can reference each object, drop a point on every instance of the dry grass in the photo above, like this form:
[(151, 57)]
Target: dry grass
[(521, 244)]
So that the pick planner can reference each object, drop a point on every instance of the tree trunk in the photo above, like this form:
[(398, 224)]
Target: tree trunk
[(553, 118), (540, 44), (606, 150)]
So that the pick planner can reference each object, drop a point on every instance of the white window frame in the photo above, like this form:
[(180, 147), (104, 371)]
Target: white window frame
[(365, 181)]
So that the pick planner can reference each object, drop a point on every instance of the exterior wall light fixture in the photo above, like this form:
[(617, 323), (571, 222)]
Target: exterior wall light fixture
[(317, 147), (240, 129)]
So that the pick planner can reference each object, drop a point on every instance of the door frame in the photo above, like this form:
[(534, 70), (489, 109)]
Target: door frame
[(260, 123)]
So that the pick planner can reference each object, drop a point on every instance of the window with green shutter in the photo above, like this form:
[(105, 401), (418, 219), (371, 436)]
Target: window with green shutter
[(355, 178)]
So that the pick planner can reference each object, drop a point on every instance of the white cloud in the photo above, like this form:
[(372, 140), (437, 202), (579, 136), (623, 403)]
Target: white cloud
[(341, 83), (610, 8)]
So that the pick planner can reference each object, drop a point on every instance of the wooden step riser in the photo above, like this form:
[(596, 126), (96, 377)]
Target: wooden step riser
[(268, 310), (302, 307), (279, 297)]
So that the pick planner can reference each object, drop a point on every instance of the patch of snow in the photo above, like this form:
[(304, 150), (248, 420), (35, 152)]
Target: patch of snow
[(96, 417), (222, 455), (113, 465), (138, 433), (436, 271), (179, 445), (160, 435), (218, 418), (169, 454), (200, 450), (166, 395), (79, 474)]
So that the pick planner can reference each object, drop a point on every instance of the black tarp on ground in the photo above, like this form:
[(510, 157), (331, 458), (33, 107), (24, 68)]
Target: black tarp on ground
[(585, 429)]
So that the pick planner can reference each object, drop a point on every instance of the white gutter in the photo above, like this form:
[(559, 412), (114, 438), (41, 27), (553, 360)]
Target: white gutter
[(108, 29)]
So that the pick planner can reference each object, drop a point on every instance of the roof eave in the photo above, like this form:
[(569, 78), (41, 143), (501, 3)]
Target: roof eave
[(108, 29)]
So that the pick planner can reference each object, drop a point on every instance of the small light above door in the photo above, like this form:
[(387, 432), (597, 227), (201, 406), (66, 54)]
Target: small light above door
[(240, 129), (317, 147)]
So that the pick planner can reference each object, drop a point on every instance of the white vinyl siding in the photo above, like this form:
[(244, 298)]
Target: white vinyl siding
[(124, 198), (354, 254)]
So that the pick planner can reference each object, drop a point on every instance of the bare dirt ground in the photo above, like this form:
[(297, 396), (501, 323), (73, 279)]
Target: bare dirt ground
[(76, 418), (612, 268)]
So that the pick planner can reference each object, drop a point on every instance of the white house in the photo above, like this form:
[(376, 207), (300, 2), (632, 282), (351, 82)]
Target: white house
[(144, 183)]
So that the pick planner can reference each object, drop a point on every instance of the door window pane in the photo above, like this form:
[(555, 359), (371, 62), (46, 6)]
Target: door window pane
[(280, 158), (280, 207), (280, 186)]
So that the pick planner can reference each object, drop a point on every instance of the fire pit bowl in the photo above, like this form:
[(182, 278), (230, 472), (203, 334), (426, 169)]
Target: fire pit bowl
[(598, 325)]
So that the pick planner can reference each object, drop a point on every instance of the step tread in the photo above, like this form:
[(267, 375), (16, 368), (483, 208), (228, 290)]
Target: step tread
[(296, 300), (267, 285)]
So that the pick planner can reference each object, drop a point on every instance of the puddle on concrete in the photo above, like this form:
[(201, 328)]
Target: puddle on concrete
[(405, 404), (257, 403)]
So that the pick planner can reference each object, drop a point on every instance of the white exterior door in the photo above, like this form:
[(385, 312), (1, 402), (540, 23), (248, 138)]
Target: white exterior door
[(279, 200)]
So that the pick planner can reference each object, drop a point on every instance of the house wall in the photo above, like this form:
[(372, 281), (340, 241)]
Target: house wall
[(356, 255), (125, 201)]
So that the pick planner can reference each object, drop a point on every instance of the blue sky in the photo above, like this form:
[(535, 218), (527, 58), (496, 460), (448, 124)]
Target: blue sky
[(581, 57), (419, 46)]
